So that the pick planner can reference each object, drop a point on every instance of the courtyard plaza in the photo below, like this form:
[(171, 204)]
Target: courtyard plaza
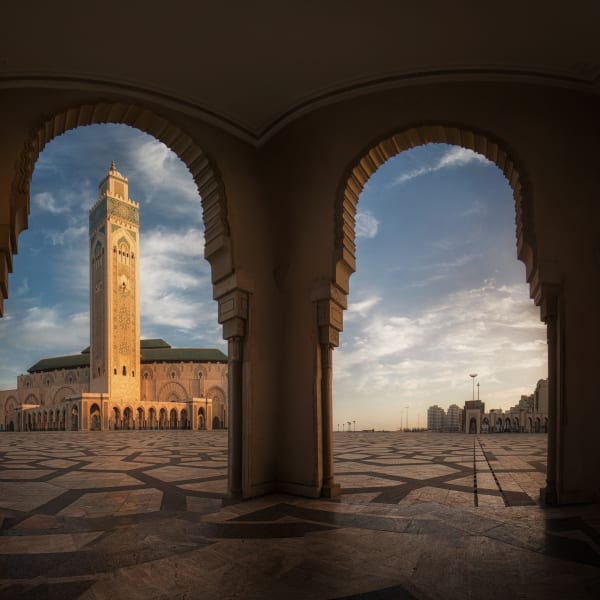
[(141, 514)]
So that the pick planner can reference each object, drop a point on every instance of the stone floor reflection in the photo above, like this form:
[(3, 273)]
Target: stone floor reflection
[(427, 516)]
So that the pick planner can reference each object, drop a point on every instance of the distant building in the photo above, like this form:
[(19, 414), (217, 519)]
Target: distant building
[(435, 418), (473, 416), (119, 382), (453, 418), (529, 415)]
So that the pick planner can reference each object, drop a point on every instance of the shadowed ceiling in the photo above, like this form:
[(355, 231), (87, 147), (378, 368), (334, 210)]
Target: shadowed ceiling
[(252, 67)]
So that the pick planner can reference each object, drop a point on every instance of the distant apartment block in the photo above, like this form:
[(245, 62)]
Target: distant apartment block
[(529, 415)]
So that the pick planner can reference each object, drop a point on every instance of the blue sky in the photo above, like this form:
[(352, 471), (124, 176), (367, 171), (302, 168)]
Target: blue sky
[(438, 292)]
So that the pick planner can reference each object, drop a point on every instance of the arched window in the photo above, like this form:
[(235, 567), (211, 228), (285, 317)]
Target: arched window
[(124, 370)]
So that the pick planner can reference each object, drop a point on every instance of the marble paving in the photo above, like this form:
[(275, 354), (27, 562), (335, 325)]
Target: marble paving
[(423, 516)]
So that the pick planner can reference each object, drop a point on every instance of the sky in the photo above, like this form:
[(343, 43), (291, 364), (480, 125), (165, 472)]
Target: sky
[(438, 293)]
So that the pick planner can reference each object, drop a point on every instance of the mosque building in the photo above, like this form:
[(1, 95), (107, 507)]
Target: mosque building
[(119, 382)]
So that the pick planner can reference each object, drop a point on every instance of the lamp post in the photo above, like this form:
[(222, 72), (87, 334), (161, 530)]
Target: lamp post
[(472, 376), (406, 407)]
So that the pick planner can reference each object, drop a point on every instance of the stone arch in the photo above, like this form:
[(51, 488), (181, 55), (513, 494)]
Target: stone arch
[(172, 392), (128, 417), (162, 418), (217, 240), (10, 404), (115, 417), (152, 419), (95, 417), (371, 158), (216, 394), (32, 399), (62, 393)]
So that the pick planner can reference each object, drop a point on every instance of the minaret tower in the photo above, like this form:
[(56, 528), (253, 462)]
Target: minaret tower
[(115, 291)]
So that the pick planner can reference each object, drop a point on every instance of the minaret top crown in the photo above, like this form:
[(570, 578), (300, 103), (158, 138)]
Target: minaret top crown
[(114, 187), (112, 172)]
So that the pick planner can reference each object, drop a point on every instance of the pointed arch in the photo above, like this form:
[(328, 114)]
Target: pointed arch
[(217, 246), (370, 159), (172, 391), (62, 393)]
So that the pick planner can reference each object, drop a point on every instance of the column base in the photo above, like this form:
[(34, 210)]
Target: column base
[(331, 491), (548, 496)]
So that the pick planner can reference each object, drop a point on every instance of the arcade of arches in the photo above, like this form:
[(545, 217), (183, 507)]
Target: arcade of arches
[(279, 216)]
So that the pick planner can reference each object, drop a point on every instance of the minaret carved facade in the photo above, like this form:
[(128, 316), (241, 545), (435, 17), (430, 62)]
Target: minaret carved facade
[(115, 291)]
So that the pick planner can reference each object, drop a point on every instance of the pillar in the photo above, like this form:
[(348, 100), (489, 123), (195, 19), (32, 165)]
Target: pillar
[(550, 316), (329, 323), (233, 315)]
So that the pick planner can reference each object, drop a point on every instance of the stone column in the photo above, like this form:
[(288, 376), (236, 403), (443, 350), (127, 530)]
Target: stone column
[(550, 316), (330, 323), (233, 315)]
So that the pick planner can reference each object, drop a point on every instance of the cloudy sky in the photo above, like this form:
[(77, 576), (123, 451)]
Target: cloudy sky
[(438, 293)]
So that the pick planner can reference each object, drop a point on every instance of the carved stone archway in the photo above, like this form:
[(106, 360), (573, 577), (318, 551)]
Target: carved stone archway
[(217, 249), (172, 391), (331, 299), (62, 393), (373, 157)]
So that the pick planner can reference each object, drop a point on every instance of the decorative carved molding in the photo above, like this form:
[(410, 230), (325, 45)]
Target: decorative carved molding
[(233, 313), (62, 393), (370, 160), (170, 388), (216, 394)]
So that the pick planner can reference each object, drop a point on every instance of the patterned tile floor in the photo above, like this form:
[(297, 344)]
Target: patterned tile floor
[(426, 516)]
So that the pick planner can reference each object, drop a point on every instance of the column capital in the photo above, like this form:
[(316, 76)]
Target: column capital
[(549, 297), (330, 321), (233, 313)]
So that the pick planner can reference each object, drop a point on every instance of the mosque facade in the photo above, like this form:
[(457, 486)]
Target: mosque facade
[(119, 381)]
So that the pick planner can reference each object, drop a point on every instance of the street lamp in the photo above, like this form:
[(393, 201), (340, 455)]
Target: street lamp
[(472, 376), (406, 407)]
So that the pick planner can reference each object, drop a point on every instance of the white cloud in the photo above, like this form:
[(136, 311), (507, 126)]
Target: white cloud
[(361, 308), (161, 174), (160, 242), (68, 236), (46, 202), (455, 156), (426, 358), (366, 224), (173, 276)]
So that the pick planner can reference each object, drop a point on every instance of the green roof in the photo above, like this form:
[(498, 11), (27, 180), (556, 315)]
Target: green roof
[(154, 343), (150, 355), (61, 362), (152, 351)]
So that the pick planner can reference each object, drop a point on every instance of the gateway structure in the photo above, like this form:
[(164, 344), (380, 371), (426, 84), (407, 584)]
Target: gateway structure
[(119, 382)]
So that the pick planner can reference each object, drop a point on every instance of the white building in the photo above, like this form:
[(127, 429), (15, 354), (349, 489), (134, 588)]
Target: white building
[(435, 418)]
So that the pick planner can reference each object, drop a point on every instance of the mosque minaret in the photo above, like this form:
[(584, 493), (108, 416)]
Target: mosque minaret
[(120, 381)]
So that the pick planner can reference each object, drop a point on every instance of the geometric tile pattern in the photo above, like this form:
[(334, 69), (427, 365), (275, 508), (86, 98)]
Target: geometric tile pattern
[(451, 469), (140, 515)]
